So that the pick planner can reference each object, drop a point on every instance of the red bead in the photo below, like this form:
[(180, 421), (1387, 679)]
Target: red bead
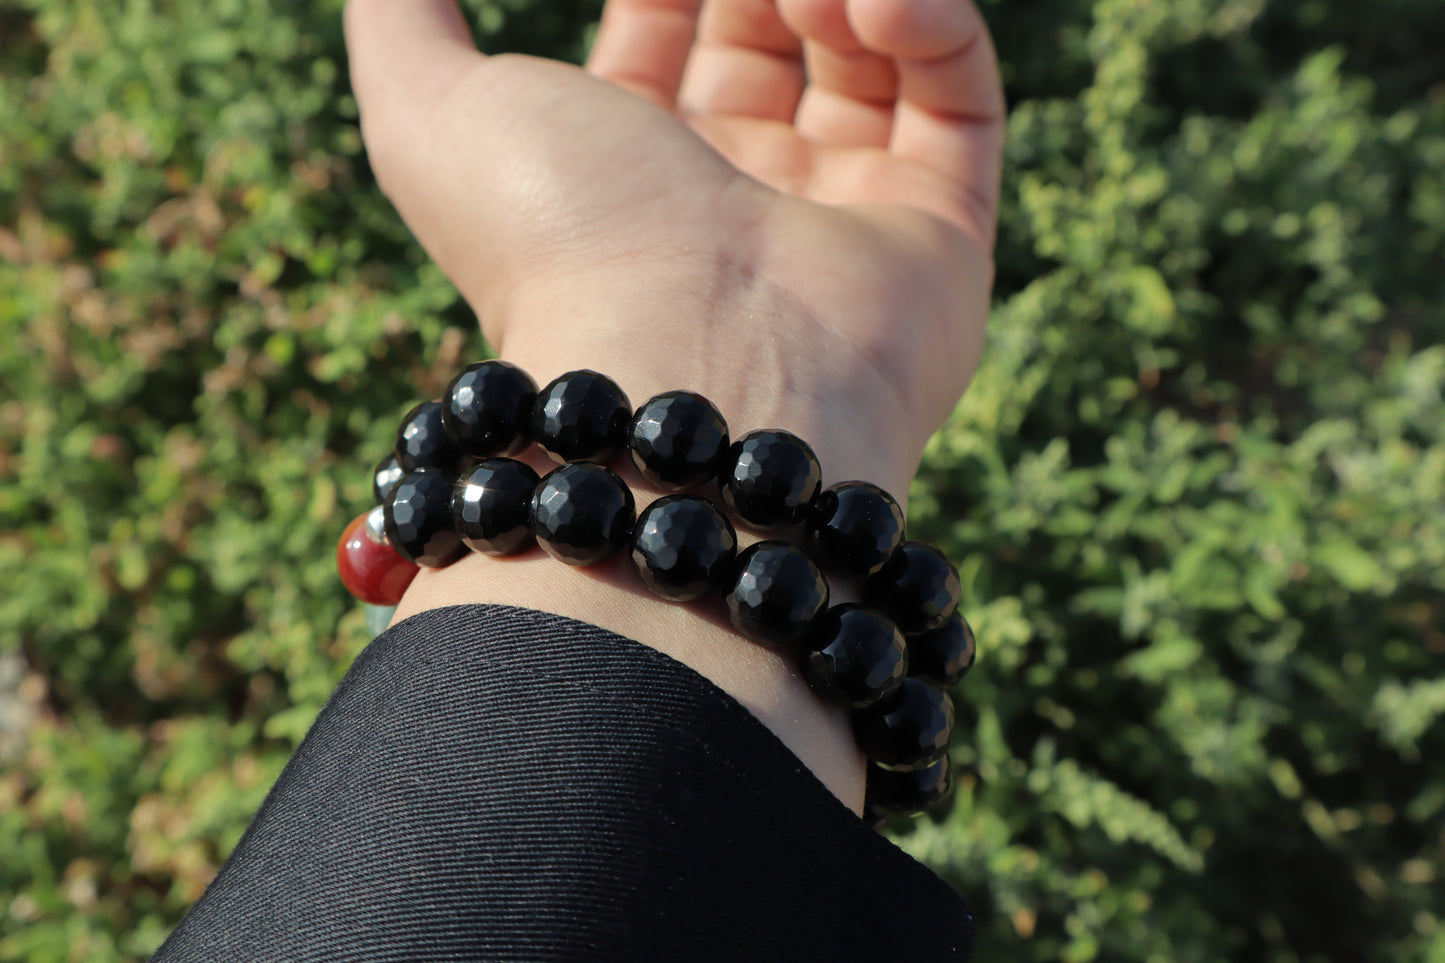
[(372, 570)]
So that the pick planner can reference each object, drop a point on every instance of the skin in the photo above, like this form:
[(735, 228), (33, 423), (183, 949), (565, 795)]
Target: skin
[(786, 206)]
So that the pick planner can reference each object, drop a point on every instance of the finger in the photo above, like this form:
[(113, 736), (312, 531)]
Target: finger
[(950, 112), (746, 63), (405, 54), (643, 46), (851, 90)]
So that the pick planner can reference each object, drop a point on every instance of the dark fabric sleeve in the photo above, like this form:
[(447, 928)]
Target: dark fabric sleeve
[(491, 783)]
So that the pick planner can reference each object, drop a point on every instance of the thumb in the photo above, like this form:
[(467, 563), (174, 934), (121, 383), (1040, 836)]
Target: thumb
[(405, 56)]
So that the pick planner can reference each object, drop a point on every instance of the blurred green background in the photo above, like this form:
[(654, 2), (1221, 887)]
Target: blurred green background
[(1197, 490)]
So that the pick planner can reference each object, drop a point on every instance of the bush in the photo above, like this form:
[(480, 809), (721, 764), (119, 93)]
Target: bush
[(1196, 488)]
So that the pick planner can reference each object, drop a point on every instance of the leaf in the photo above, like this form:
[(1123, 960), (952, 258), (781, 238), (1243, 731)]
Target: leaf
[(1351, 565)]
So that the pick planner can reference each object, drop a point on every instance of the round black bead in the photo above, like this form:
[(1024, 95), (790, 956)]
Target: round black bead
[(907, 792), (942, 655), (683, 547), (581, 416), (907, 730), (776, 594), (423, 442), (582, 513), (678, 439), (853, 528), (419, 518), (490, 506), (769, 478), (857, 656), (487, 409), (917, 588), (386, 475)]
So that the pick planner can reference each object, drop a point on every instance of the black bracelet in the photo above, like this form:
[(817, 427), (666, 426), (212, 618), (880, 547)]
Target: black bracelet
[(450, 488)]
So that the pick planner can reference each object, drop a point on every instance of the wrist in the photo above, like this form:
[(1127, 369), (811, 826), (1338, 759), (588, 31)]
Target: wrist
[(713, 328), (767, 358)]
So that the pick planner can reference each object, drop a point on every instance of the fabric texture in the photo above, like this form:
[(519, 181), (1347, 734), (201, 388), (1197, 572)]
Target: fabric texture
[(492, 783)]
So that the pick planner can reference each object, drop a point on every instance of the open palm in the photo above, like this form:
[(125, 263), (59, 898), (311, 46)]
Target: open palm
[(807, 187)]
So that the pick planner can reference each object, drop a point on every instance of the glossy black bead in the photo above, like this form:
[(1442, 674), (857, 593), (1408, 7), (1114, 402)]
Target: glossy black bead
[(917, 588), (581, 416), (582, 513), (769, 478), (907, 792), (776, 594), (419, 518), (387, 473), (853, 528), (487, 409), (908, 729), (942, 655), (683, 547), (491, 507), (856, 656), (423, 442), (678, 440)]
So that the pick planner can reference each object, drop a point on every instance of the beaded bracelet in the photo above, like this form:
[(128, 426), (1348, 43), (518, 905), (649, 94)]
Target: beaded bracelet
[(450, 487)]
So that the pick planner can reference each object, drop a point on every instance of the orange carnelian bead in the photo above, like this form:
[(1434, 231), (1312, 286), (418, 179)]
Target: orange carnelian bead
[(370, 568)]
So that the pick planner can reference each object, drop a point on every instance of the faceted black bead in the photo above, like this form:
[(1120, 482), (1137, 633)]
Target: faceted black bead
[(917, 588), (581, 416), (419, 518), (907, 792), (942, 656), (683, 547), (857, 656), (423, 442), (678, 439), (769, 478), (776, 594), (386, 475), (582, 513), (908, 729), (487, 409), (853, 528), (491, 506)]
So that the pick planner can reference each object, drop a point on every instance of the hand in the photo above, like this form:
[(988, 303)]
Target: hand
[(788, 207), (810, 255)]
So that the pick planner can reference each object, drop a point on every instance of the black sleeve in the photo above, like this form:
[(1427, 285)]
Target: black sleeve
[(492, 783)]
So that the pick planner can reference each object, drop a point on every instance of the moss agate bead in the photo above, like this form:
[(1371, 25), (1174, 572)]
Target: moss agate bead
[(856, 657), (943, 655), (907, 792), (581, 416), (419, 518), (677, 439), (917, 588), (423, 442), (384, 477), (777, 593), (487, 409), (769, 479), (582, 513), (853, 528), (907, 730), (683, 547), (490, 506)]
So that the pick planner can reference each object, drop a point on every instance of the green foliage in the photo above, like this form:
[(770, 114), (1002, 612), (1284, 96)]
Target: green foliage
[(1196, 489)]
